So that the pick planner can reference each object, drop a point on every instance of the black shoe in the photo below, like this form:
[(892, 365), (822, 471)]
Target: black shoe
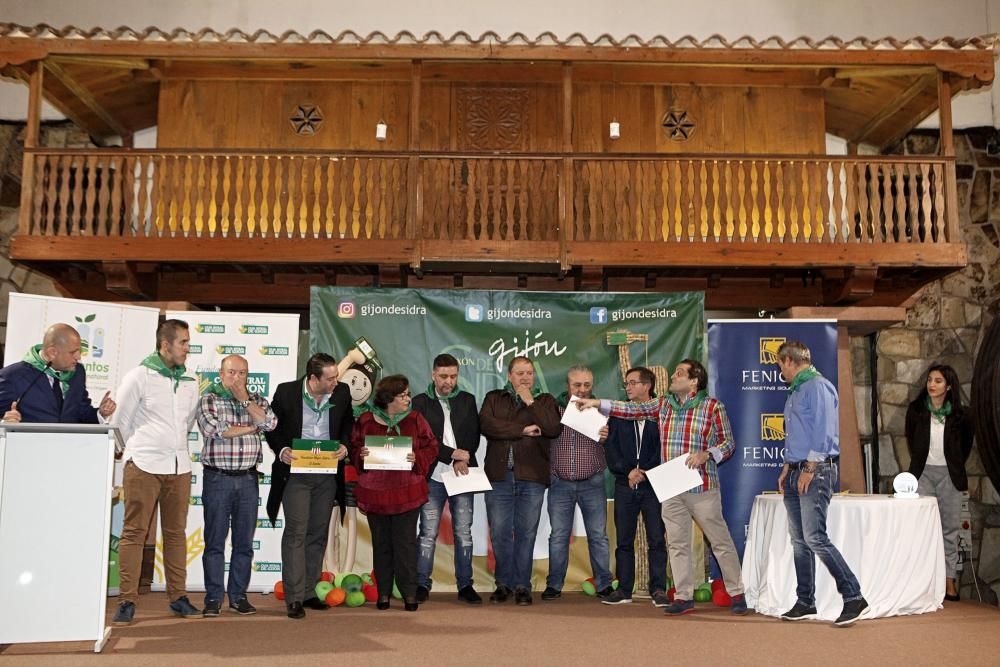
[(522, 597), (799, 612), (411, 605), (551, 594), (952, 598), (501, 594), (125, 613), (182, 607), (605, 592), (295, 610), (422, 593), (852, 611), (466, 594), (212, 608), (242, 607), (383, 603), (315, 603)]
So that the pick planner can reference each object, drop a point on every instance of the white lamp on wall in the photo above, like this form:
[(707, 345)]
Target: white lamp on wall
[(380, 130), (614, 129)]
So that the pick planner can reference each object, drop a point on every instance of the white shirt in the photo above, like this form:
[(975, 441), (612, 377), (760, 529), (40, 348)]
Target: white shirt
[(154, 420), (448, 436), (935, 455)]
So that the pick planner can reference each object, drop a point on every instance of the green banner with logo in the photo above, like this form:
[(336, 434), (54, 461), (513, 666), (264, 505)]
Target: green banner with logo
[(484, 330)]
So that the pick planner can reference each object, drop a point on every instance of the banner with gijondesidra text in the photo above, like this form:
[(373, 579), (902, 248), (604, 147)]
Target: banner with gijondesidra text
[(269, 343), (743, 373)]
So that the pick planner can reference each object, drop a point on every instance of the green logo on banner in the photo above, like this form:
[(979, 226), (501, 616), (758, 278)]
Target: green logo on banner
[(256, 545), (266, 566), (274, 351), (264, 522), (196, 500), (230, 349), (192, 436), (254, 329), (266, 479), (195, 349), (257, 383), (210, 328), (194, 479), (196, 457)]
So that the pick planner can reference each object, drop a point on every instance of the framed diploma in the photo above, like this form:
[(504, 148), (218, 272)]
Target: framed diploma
[(388, 452), (315, 456)]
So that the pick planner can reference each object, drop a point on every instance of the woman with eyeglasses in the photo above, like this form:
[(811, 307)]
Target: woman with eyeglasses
[(392, 498), (939, 437)]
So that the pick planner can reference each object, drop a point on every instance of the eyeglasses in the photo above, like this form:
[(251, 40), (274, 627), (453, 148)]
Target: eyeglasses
[(633, 383)]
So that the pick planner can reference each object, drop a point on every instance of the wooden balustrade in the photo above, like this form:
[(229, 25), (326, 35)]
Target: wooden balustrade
[(753, 199)]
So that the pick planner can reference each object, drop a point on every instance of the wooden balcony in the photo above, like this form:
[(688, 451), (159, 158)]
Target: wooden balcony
[(242, 227)]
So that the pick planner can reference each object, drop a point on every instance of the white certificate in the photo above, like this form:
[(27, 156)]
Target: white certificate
[(474, 482), (587, 422), (673, 478)]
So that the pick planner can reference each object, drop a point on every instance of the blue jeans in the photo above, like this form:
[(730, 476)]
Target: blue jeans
[(513, 508), (228, 502), (461, 525), (629, 503), (807, 528), (564, 496)]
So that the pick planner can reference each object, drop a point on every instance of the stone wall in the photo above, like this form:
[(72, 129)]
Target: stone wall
[(15, 278), (945, 324)]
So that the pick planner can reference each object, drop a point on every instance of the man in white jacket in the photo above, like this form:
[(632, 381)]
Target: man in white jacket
[(157, 406)]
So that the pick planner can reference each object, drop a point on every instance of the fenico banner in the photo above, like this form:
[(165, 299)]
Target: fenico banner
[(744, 375)]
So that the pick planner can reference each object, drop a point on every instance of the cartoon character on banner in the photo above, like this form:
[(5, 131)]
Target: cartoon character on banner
[(359, 370)]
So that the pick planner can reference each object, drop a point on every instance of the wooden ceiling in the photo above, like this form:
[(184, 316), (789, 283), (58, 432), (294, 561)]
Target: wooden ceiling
[(875, 91)]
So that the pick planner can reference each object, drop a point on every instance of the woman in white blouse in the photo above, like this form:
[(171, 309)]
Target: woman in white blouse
[(939, 436)]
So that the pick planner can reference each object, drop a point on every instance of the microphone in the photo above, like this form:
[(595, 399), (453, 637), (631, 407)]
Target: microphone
[(41, 374)]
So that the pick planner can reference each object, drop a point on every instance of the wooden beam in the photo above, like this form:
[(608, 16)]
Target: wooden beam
[(31, 132), (121, 278), (860, 321), (86, 97), (947, 148), (856, 285), (114, 63), (892, 108), (852, 469), (874, 72)]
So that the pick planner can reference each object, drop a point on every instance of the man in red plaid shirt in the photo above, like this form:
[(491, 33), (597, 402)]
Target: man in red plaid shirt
[(695, 425)]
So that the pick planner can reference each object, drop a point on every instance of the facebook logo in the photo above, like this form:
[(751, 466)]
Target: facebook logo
[(598, 315), (474, 312)]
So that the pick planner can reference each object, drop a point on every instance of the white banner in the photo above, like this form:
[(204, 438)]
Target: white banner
[(114, 338), (269, 343)]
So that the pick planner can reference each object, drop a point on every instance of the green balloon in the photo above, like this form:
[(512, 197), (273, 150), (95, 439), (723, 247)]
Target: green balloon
[(367, 578), (707, 586), (701, 595), (352, 582), (355, 599), (322, 588), (338, 579), (395, 591), (614, 585), (588, 588)]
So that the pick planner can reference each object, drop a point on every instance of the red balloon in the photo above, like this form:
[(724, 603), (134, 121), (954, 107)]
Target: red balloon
[(373, 577), (371, 592), (722, 599), (279, 590), (718, 585), (670, 594), (326, 576)]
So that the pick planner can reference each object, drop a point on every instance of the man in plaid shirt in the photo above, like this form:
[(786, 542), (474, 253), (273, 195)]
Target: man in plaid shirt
[(694, 424), (232, 420)]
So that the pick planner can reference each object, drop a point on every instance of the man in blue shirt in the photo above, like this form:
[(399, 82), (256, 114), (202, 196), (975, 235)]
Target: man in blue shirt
[(812, 452)]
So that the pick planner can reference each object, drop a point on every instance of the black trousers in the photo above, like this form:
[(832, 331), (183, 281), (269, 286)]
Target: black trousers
[(308, 502), (394, 552)]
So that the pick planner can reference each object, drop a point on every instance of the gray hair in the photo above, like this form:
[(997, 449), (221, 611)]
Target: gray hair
[(578, 368), (796, 351)]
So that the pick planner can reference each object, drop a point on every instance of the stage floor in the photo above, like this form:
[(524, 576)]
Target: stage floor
[(562, 632)]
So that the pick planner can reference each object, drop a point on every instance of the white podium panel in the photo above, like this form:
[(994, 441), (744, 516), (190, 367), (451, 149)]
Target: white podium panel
[(55, 513)]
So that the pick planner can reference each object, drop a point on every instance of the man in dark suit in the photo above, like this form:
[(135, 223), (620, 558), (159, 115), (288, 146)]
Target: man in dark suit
[(454, 419), (315, 407), (50, 385)]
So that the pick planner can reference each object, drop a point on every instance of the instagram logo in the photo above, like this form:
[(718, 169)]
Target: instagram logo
[(345, 310)]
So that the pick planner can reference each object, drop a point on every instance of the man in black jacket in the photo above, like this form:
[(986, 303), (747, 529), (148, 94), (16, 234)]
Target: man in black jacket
[(632, 448), (454, 418), (314, 407)]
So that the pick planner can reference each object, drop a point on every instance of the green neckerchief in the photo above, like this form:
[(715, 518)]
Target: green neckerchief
[(689, 403), (509, 388), (432, 392), (220, 391), (155, 362), (802, 377), (939, 413), (311, 402), (34, 359), (392, 423)]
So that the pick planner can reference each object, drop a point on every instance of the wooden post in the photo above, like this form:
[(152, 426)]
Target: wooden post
[(566, 219), (414, 189), (852, 467), (947, 149), (31, 132)]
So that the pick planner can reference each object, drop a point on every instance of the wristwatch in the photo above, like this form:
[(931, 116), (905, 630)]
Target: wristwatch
[(245, 403), (809, 466)]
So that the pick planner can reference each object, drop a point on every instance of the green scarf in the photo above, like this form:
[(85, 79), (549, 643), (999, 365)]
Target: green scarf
[(392, 423), (220, 391), (802, 377), (311, 402), (155, 362), (34, 359), (688, 404), (432, 392), (509, 388), (940, 414)]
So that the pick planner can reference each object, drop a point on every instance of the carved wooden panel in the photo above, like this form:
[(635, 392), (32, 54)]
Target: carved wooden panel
[(492, 119)]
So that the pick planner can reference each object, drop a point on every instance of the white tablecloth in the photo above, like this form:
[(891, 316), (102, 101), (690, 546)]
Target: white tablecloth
[(893, 546)]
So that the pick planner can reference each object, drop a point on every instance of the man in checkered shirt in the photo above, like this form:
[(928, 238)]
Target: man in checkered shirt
[(232, 420)]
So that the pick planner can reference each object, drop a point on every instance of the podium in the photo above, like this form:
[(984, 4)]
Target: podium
[(55, 524)]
